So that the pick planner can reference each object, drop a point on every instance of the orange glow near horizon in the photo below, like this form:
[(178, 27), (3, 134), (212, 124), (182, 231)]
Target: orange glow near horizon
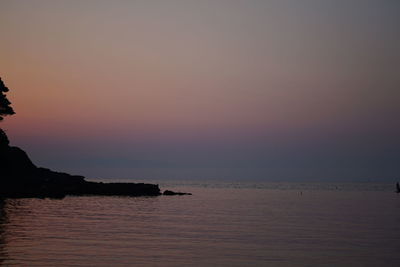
[(196, 73)]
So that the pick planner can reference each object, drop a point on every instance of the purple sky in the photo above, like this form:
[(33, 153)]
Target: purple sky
[(273, 90)]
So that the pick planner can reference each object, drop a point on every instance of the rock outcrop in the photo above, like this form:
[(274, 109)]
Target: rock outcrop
[(19, 177), (172, 193)]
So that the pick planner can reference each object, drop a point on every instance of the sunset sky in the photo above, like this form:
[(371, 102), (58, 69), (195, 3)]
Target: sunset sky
[(210, 89)]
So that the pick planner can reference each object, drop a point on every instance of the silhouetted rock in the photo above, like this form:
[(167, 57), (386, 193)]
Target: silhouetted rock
[(120, 189), (172, 193), (19, 177)]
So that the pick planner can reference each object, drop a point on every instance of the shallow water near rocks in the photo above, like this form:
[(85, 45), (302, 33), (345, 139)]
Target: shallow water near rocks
[(225, 224)]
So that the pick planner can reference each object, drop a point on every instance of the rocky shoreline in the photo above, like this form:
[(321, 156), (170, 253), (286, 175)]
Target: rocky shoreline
[(20, 178)]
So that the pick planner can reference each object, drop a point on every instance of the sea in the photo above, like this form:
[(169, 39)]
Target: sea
[(220, 224)]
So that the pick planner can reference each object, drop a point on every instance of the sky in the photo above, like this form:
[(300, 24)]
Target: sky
[(212, 89)]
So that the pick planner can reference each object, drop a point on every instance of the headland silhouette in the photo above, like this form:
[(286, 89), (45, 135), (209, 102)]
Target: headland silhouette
[(20, 177)]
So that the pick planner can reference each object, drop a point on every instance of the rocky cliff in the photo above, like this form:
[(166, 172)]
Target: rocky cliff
[(19, 177)]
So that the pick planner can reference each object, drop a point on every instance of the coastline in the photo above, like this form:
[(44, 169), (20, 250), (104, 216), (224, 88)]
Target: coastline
[(20, 178)]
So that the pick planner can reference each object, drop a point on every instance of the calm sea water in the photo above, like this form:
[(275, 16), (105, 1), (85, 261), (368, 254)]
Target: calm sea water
[(225, 224)]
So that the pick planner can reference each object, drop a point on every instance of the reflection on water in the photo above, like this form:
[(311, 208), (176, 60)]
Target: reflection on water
[(216, 226), (3, 221)]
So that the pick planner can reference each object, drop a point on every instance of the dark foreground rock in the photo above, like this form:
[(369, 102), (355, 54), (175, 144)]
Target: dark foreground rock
[(172, 193), (19, 177)]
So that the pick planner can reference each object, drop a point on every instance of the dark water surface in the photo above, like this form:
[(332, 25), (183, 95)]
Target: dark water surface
[(219, 225)]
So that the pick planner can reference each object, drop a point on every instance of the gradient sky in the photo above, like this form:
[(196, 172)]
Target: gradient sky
[(273, 90)]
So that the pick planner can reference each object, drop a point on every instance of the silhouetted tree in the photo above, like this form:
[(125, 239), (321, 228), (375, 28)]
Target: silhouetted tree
[(5, 108)]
